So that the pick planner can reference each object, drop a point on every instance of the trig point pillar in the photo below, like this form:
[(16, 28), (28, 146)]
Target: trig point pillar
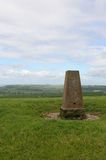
[(72, 107)]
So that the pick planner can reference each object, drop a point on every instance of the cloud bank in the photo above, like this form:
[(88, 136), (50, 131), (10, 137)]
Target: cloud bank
[(53, 34)]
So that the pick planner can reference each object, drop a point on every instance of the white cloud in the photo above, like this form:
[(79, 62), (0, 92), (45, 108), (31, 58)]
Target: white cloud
[(98, 66), (18, 74), (53, 31), (25, 23)]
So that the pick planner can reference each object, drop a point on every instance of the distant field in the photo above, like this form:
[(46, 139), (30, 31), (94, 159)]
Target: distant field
[(26, 135), (46, 90)]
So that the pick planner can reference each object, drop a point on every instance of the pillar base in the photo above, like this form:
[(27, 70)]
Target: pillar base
[(73, 113)]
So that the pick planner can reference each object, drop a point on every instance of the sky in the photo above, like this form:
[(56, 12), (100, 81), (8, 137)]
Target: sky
[(41, 39)]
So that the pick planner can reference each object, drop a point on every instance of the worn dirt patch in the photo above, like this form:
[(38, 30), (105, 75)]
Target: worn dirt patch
[(52, 116), (56, 116), (91, 117)]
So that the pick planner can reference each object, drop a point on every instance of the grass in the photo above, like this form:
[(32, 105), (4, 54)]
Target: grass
[(26, 135)]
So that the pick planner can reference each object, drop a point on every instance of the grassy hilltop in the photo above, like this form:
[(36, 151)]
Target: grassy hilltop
[(26, 135)]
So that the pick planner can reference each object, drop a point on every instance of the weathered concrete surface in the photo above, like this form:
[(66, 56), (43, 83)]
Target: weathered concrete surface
[(72, 106)]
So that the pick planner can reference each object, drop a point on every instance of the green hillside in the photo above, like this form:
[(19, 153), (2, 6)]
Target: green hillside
[(45, 90)]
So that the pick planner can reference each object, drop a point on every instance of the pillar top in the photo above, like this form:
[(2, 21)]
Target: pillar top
[(72, 71)]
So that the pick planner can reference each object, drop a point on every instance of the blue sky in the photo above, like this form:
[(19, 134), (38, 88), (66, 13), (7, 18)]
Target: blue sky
[(41, 39)]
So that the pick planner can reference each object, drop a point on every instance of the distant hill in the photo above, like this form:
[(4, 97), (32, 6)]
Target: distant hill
[(46, 90)]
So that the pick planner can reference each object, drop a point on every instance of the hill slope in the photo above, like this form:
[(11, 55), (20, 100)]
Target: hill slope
[(45, 90)]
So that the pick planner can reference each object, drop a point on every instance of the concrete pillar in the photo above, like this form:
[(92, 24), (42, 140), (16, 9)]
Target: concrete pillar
[(72, 107)]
